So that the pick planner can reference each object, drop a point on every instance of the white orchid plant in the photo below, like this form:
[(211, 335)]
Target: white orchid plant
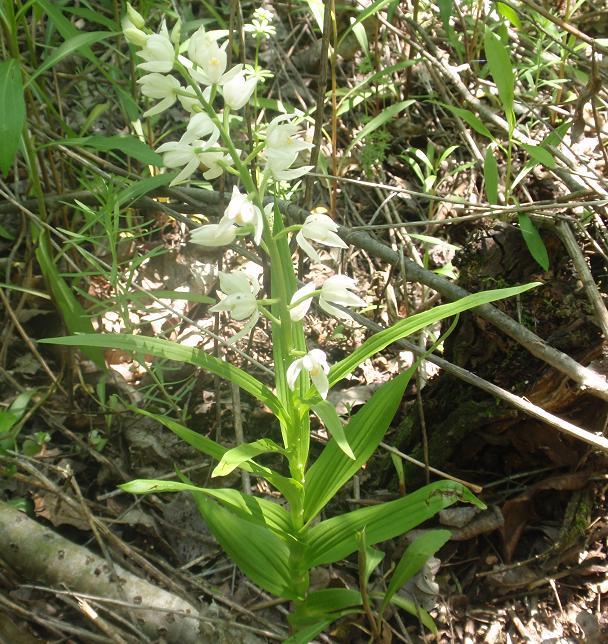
[(277, 541)]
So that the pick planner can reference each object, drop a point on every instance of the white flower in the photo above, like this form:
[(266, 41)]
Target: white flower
[(335, 290), (238, 90), (301, 309), (190, 155), (240, 292), (282, 148), (158, 52), (207, 60), (321, 229), (214, 160), (158, 86), (200, 126), (133, 33), (242, 212), (315, 362), (240, 300), (214, 235)]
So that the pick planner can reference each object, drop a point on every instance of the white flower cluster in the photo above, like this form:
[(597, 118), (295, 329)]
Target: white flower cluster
[(206, 73)]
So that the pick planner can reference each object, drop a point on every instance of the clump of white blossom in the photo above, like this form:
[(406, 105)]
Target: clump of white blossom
[(195, 79)]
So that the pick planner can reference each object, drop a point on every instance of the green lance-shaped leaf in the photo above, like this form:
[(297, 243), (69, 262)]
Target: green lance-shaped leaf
[(327, 603), (336, 538), (413, 609), (173, 351), (534, 241), (259, 552), (250, 508), (74, 316), (468, 117), (490, 176), (12, 112), (288, 487), (501, 69), (329, 417), (308, 633), (509, 13), (364, 432), (378, 121), (540, 154), (79, 43), (142, 187), (129, 145), (416, 322), (236, 456), (412, 560)]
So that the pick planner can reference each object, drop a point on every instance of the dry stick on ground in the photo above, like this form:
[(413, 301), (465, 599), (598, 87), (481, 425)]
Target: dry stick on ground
[(36, 552), (586, 378), (516, 401), (591, 289)]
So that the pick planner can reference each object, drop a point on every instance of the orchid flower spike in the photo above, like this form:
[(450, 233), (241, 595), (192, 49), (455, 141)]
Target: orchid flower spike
[(321, 229), (315, 363)]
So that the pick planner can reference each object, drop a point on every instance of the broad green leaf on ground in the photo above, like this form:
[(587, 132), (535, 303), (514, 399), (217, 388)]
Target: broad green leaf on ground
[(249, 508), (173, 351), (329, 417), (308, 633), (336, 538), (416, 322), (413, 559), (534, 241), (413, 609), (364, 432), (321, 604), (288, 487), (236, 456), (258, 551), (501, 69), (12, 112), (130, 145), (490, 176)]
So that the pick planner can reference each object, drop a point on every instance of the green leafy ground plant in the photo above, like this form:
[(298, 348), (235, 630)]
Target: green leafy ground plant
[(277, 543)]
